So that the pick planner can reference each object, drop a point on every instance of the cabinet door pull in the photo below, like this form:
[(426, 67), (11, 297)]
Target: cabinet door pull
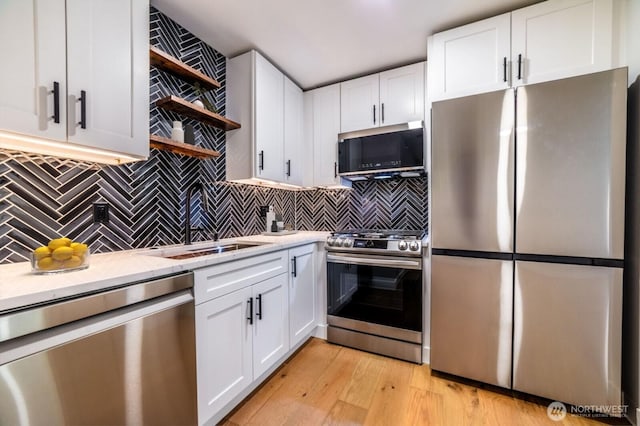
[(56, 102), (259, 310), (504, 69), (83, 109), (519, 66), (294, 267), (250, 308), (289, 168), (43, 94), (374, 114), (261, 160), (335, 169), (382, 113)]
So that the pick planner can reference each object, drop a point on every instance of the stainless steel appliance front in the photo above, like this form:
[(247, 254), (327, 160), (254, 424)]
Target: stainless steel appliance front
[(568, 332), (391, 149), (471, 323), (374, 303), (571, 167), (120, 364), (564, 176)]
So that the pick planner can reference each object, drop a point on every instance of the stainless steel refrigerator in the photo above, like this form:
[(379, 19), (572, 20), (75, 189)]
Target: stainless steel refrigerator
[(527, 237)]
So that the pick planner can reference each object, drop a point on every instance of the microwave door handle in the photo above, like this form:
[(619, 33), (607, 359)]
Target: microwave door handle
[(389, 263)]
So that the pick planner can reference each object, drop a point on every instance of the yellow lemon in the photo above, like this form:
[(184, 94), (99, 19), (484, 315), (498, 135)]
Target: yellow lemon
[(41, 252), (72, 262), (62, 253), (79, 249), (59, 242), (47, 263)]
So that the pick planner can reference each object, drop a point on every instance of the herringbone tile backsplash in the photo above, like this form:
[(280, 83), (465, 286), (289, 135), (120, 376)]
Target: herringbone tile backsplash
[(42, 198)]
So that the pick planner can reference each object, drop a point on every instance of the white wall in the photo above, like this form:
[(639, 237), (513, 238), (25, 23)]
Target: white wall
[(633, 38)]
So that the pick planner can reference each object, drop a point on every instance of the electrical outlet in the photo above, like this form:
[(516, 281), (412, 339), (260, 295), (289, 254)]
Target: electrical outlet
[(100, 213), (263, 211)]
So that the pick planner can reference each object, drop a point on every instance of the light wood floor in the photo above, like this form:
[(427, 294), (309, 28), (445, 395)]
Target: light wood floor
[(325, 384)]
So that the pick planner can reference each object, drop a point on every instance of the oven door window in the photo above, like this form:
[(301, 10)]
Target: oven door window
[(375, 294)]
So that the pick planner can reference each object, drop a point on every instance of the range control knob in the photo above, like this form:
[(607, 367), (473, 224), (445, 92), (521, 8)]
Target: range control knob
[(347, 242), (331, 241), (414, 246), (339, 242), (402, 245)]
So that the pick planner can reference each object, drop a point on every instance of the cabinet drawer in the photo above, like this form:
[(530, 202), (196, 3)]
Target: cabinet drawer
[(222, 279)]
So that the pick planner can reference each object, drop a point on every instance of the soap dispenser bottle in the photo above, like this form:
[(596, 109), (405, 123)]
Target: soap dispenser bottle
[(271, 216)]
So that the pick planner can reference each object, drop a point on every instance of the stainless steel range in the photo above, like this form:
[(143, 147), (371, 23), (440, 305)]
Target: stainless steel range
[(375, 291)]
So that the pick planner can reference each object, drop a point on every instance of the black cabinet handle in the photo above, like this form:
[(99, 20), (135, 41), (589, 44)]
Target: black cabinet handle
[(519, 67), (259, 310), (374, 114), (289, 168), (504, 69), (261, 160), (294, 267), (250, 316), (56, 102), (83, 109), (335, 169), (382, 112)]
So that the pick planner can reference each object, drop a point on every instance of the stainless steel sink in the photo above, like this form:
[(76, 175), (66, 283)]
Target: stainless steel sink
[(188, 252)]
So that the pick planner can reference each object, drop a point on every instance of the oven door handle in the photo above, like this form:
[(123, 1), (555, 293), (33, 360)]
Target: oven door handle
[(369, 261)]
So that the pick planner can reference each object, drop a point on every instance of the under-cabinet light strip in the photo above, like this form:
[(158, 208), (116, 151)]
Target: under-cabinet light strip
[(19, 142)]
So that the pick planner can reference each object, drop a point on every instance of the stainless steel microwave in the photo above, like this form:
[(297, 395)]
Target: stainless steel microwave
[(382, 152)]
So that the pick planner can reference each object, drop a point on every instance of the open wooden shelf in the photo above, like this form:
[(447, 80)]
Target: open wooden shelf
[(168, 63), (186, 108), (167, 144)]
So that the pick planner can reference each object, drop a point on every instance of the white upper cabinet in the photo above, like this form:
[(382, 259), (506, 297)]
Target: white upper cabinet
[(32, 45), (269, 145), (402, 94), (470, 59), (107, 59), (294, 149), (562, 38), (269, 120), (546, 41), (322, 125), (60, 50), (359, 103), (391, 97)]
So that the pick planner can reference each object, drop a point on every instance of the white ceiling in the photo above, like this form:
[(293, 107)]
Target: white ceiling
[(324, 41)]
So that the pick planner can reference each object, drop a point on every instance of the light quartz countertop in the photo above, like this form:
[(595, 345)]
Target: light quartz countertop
[(19, 287)]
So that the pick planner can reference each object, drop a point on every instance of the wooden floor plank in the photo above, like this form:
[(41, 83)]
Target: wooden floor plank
[(421, 377), (345, 414), (362, 384), (390, 402), (322, 396), (328, 384), (275, 401)]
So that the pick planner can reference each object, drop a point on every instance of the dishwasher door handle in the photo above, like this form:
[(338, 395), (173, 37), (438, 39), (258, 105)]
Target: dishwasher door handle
[(47, 339), (27, 321)]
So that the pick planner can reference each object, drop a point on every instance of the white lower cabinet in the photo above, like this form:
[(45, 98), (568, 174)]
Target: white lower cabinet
[(223, 351), (270, 323), (302, 294), (247, 322)]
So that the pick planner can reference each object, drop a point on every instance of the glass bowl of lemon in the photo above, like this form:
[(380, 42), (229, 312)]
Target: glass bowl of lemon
[(60, 255)]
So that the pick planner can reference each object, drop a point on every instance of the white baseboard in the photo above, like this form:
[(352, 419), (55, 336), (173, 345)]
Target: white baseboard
[(321, 331), (426, 355)]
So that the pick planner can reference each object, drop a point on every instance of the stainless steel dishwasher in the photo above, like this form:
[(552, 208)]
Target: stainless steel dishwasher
[(120, 357)]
